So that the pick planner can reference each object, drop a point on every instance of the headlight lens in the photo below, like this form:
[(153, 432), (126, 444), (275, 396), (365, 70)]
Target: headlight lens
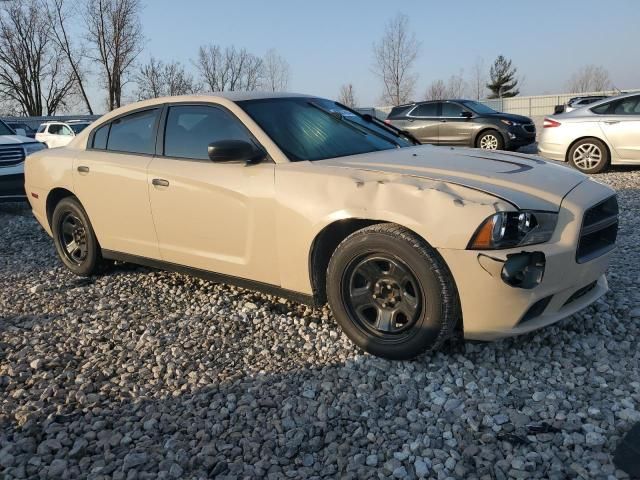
[(511, 123), (30, 148), (513, 229)]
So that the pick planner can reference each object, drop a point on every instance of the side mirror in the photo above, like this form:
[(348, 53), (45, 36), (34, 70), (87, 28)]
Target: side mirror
[(21, 131), (235, 151), (466, 114)]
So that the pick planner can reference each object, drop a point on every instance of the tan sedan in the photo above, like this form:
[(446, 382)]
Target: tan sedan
[(301, 197)]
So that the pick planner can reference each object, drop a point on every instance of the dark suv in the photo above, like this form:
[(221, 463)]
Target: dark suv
[(463, 122)]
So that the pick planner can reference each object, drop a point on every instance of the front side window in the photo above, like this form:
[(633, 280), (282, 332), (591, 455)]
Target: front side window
[(191, 128), (55, 129), (64, 130), (425, 110), (134, 133), (451, 110), (306, 128)]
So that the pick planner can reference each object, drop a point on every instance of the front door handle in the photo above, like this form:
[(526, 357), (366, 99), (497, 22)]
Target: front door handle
[(611, 122), (83, 169), (160, 182)]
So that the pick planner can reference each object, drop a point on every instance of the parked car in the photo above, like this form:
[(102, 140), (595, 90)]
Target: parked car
[(55, 134), (78, 125), (304, 198), (22, 129), (465, 123), (578, 102), (13, 150), (590, 139)]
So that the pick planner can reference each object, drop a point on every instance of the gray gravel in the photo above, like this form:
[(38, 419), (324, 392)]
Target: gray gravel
[(146, 374)]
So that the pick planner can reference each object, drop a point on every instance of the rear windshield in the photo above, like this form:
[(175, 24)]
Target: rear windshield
[(306, 128)]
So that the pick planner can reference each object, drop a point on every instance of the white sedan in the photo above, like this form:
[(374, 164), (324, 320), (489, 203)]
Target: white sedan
[(596, 136)]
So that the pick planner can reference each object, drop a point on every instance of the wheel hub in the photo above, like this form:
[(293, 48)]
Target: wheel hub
[(387, 293)]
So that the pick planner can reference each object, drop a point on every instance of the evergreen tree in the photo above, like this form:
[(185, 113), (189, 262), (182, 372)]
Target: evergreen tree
[(503, 79)]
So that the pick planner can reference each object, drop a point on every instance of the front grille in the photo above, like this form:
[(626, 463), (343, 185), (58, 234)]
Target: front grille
[(599, 230), (12, 155), (529, 128)]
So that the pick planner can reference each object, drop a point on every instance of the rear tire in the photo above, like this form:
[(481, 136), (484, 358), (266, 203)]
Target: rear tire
[(75, 239), (391, 293), (589, 155), (490, 140)]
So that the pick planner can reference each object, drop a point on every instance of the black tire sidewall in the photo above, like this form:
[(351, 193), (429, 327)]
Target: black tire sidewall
[(425, 333), (604, 162), (496, 134), (90, 264)]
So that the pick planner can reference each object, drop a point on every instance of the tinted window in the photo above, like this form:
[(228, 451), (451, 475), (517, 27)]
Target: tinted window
[(479, 108), (134, 133), (626, 106), (191, 128), (55, 129), (451, 109), (425, 110), (316, 129), (100, 137), (78, 127), (4, 129)]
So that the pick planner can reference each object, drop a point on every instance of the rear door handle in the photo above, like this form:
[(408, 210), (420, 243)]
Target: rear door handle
[(83, 169), (611, 122), (160, 182)]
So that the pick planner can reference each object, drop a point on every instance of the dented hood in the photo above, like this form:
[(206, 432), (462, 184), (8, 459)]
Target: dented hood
[(526, 181)]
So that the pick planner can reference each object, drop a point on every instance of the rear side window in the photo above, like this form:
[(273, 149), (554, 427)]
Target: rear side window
[(425, 110), (135, 133), (100, 137), (191, 128)]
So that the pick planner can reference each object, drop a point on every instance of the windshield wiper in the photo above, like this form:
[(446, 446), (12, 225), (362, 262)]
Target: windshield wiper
[(337, 116), (391, 128)]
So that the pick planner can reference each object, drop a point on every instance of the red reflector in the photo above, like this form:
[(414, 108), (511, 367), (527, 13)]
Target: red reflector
[(548, 123), (34, 195)]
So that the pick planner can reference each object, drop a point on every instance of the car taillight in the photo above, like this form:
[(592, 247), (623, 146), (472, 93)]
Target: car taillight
[(548, 123)]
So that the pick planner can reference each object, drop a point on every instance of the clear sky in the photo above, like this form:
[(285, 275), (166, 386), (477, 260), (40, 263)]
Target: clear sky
[(329, 42)]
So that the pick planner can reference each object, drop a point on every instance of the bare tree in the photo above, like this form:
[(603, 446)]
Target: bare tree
[(229, 68), (347, 96), (59, 15), (158, 79), (478, 79), (436, 91), (590, 78), (114, 30), (33, 74), (276, 72), (394, 58), (456, 86)]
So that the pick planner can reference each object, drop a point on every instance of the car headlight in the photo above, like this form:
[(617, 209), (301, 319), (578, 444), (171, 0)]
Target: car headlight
[(514, 229), (511, 123), (30, 148)]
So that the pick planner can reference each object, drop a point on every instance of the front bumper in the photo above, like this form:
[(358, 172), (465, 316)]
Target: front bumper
[(516, 137), (12, 185), (491, 309)]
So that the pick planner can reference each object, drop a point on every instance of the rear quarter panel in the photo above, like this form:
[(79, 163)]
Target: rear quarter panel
[(44, 171)]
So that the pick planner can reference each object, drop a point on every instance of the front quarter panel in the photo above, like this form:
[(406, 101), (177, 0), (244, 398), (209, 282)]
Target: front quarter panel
[(311, 196)]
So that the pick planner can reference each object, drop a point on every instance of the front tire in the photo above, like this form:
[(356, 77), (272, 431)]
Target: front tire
[(391, 293), (75, 239), (490, 140), (589, 155)]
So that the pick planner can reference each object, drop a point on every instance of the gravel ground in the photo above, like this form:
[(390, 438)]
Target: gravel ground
[(146, 374)]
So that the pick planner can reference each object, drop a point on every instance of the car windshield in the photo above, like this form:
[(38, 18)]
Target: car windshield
[(78, 127), (306, 128), (5, 129), (479, 108)]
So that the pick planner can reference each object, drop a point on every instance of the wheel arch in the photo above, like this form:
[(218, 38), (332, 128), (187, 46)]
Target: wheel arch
[(586, 137), (53, 198), (485, 129)]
